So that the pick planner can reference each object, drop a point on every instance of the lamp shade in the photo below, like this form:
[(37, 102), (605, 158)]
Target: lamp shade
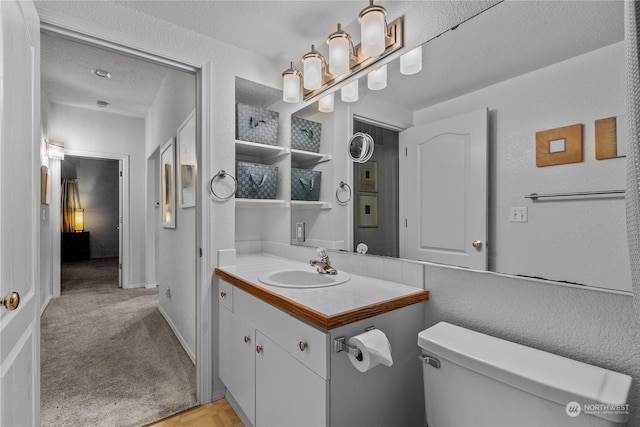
[(325, 105), (339, 52), (377, 79), (291, 85), (78, 219), (312, 69), (349, 93), (372, 30), (411, 62)]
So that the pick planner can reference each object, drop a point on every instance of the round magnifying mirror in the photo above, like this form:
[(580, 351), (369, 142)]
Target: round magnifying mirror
[(360, 147)]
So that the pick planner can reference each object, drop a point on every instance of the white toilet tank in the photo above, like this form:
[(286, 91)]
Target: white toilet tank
[(472, 379)]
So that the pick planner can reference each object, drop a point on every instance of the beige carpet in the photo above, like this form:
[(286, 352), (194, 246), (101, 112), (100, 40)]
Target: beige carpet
[(108, 357)]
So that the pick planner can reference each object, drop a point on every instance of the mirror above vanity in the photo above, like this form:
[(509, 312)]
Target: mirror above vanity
[(534, 67)]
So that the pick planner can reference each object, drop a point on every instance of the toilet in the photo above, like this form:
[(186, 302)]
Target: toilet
[(472, 379)]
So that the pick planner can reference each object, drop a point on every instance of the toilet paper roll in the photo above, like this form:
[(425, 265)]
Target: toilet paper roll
[(375, 348)]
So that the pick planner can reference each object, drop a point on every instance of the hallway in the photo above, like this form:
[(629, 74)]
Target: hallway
[(108, 357)]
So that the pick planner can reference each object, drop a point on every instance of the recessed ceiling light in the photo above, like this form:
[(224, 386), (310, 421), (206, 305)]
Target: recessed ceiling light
[(102, 104), (101, 73)]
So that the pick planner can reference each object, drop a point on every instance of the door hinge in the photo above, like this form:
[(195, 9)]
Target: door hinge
[(120, 266), (406, 151), (120, 173), (200, 252), (405, 223)]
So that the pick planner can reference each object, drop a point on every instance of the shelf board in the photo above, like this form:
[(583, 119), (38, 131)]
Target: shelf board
[(303, 204), (265, 203), (301, 156), (261, 151)]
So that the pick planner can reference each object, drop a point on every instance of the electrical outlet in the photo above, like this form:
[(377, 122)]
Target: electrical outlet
[(300, 231), (518, 214)]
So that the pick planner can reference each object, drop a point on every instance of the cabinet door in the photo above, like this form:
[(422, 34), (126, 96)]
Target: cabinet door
[(287, 392), (237, 360)]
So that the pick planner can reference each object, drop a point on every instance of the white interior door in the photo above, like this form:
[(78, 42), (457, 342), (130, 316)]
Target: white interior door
[(19, 213), (446, 191)]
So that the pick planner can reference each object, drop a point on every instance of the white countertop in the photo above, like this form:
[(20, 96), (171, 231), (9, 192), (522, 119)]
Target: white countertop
[(358, 292)]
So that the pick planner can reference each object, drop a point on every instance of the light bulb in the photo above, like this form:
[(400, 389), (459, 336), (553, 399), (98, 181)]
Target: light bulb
[(411, 62), (339, 52), (372, 30), (349, 93), (291, 85), (312, 71), (377, 79)]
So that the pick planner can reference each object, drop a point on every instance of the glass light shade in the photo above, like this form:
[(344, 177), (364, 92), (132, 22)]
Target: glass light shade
[(312, 70), (349, 93), (372, 32), (377, 79), (339, 53), (325, 105), (78, 219), (411, 62), (291, 87)]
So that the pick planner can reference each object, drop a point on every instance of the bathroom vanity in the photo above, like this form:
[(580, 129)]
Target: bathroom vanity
[(277, 354)]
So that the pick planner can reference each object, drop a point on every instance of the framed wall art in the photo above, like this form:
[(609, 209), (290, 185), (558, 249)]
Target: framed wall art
[(186, 142), (559, 146), (167, 184), (368, 177), (367, 211)]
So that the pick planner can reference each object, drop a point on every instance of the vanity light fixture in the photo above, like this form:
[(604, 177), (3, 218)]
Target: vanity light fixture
[(101, 73), (373, 30), (325, 105), (379, 40), (340, 48), (291, 85), (313, 69), (411, 62), (377, 79), (349, 93)]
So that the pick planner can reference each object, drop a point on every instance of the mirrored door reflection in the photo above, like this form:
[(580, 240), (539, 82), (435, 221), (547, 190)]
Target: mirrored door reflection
[(375, 189)]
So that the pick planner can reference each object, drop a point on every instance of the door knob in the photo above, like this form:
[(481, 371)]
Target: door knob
[(477, 244), (11, 301)]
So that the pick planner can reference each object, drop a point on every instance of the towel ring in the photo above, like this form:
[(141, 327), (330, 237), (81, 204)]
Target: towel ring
[(223, 174), (343, 185)]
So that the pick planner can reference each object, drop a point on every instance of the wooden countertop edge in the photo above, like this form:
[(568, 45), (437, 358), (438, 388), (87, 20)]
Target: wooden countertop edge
[(321, 320)]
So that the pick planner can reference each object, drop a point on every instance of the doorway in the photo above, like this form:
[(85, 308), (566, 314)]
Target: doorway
[(154, 323)]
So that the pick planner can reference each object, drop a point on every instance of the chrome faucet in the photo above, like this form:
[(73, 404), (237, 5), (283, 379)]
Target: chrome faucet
[(324, 265)]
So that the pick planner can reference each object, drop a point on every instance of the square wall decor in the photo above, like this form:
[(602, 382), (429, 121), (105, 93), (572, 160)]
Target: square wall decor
[(606, 138), (559, 146)]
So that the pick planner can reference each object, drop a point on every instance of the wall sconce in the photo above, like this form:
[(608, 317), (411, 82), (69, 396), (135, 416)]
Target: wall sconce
[(373, 29), (313, 64), (377, 79), (325, 105), (349, 93), (78, 219), (55, 150), (379, 40), (291, 85), (411, 62)]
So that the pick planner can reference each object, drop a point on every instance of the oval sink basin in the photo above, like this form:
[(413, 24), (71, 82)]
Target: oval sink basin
[(303, 279)]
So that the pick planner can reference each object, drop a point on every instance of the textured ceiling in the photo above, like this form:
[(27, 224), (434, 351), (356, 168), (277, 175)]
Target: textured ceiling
[(509, 39)]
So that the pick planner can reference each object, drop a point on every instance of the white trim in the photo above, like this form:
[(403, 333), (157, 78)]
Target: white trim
[(135, 286), (44, 305), (177, 334)]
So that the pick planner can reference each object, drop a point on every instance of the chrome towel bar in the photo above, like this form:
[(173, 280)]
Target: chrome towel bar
[(536, 196)]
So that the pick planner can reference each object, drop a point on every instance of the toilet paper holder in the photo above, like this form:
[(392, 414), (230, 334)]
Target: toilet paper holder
[(340, 345)]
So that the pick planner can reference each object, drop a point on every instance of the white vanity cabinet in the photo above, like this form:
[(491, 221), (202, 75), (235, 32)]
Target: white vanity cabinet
[(274, 365)]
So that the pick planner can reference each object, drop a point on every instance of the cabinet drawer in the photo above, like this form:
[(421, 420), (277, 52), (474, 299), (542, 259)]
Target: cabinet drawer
[(225, 295), (304, 342)]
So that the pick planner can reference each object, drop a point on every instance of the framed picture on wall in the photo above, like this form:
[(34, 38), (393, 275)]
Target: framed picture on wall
[(367, 211), (368, 177), (167, 185), (187, 161)]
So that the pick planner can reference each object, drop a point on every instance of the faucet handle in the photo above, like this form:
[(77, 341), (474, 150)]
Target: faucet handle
[(321, 252)]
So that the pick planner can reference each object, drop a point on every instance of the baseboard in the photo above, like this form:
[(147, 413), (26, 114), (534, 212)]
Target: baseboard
[(134, 285), (44, 306), (178, 335), (238, 410)]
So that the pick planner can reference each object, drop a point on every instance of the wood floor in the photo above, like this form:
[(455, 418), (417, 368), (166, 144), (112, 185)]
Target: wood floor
[(214, 414)]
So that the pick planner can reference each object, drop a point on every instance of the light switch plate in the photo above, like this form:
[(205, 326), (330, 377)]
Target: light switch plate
[(518, 214)]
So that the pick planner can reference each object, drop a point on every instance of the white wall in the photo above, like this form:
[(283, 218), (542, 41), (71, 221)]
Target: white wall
[(176, 246), (46, 233), (110, 134), (575, 240)]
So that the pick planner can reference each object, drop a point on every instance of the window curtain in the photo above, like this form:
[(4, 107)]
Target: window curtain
[(632, 72), (70, 202)]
